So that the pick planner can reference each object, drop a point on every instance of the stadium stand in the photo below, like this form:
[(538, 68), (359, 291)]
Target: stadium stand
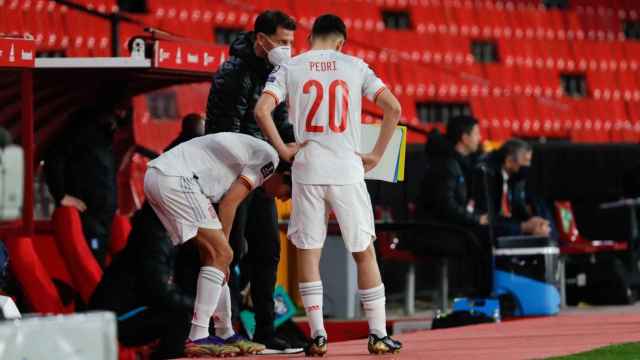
[(536, 46), (560, 73)]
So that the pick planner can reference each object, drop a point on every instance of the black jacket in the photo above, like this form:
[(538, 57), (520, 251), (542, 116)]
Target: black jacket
[(82, 161), (446, 186), (495, 182), (235, 90), (149, 272)]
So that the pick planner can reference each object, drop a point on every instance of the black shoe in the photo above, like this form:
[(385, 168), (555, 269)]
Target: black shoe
[(275, 345), (317, 347), (385, 345)]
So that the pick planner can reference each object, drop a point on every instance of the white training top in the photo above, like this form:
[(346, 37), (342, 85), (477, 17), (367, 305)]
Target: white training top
[(217, 160), (324, 90)]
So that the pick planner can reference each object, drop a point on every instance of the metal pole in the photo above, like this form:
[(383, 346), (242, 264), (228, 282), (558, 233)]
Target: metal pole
[(444, 285), (410, 290), (115, 36), (28, 146)]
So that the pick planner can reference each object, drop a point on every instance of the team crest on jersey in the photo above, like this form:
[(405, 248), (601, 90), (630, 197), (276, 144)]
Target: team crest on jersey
[(267, 170)]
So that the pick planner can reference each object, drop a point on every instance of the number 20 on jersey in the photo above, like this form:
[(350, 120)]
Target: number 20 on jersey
[(334, 125)]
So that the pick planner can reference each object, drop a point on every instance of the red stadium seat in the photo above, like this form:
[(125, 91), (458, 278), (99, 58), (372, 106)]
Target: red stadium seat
[(433, 20), (120, 230), (602, 84), (55, 266), (84, 268), (40, 292)]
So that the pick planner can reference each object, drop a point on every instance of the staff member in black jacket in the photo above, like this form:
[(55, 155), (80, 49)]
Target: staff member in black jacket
[(235, 90), (446, 199), (447, 182), (80, 169), (141, 286)]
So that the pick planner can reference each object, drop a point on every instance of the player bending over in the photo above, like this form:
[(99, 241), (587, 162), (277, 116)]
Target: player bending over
[(324, 89), (181, 186)]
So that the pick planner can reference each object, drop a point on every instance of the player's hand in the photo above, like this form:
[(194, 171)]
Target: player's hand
[(72, 201), (369, 161), (484, 219), (289, 152)]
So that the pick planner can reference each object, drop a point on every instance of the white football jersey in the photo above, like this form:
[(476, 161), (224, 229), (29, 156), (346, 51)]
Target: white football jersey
[(217, 160), (324, 89)]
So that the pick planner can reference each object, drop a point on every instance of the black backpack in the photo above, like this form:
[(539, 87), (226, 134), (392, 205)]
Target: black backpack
[(460, 318)]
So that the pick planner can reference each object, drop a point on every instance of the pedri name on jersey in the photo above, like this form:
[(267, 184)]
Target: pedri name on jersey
[(322, 66)]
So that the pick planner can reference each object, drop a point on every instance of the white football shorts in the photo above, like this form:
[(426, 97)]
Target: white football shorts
[(309, 215), (180, 205)]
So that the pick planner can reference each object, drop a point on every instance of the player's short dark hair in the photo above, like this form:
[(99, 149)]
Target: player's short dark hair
[(512, 148), (269, 21), (329, 24), (458, 126)]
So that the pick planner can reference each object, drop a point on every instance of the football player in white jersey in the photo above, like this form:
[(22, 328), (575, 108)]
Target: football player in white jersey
[(181, 185), (324, 90)]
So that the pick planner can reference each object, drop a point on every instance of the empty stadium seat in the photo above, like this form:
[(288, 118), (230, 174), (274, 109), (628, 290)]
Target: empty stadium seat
[(120, 229), (535, 44), (84, 268), (47, 251)]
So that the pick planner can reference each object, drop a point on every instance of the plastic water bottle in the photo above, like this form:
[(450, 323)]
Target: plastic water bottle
[(496, 315)]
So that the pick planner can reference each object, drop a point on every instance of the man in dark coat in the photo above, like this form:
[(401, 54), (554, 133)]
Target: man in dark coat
[(192, 126), (446, 199), (80, 171), (235, 89), (142, 287), (447, 182)]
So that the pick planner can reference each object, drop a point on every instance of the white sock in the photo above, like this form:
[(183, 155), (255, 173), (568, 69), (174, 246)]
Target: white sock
[(373, 302), (311, 293), (222, 315), (210, 282)]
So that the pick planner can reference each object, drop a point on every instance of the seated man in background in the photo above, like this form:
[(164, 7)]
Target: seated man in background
[(446, 189), (192, 126), (505, 171), (446, 198), (80, 169)]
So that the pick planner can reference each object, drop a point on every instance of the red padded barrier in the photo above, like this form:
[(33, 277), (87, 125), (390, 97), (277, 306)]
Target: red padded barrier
[(55, 266), (33, 278)]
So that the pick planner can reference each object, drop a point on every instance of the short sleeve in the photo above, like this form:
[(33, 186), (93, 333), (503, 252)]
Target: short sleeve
[(259, 169), (372, 86), (276, 85)]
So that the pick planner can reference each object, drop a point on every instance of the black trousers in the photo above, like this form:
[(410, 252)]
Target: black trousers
[(255, 240), (97, 231), (474, 250), (171, 327)]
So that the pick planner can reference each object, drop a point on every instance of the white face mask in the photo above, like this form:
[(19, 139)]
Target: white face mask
[(279, 55)]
